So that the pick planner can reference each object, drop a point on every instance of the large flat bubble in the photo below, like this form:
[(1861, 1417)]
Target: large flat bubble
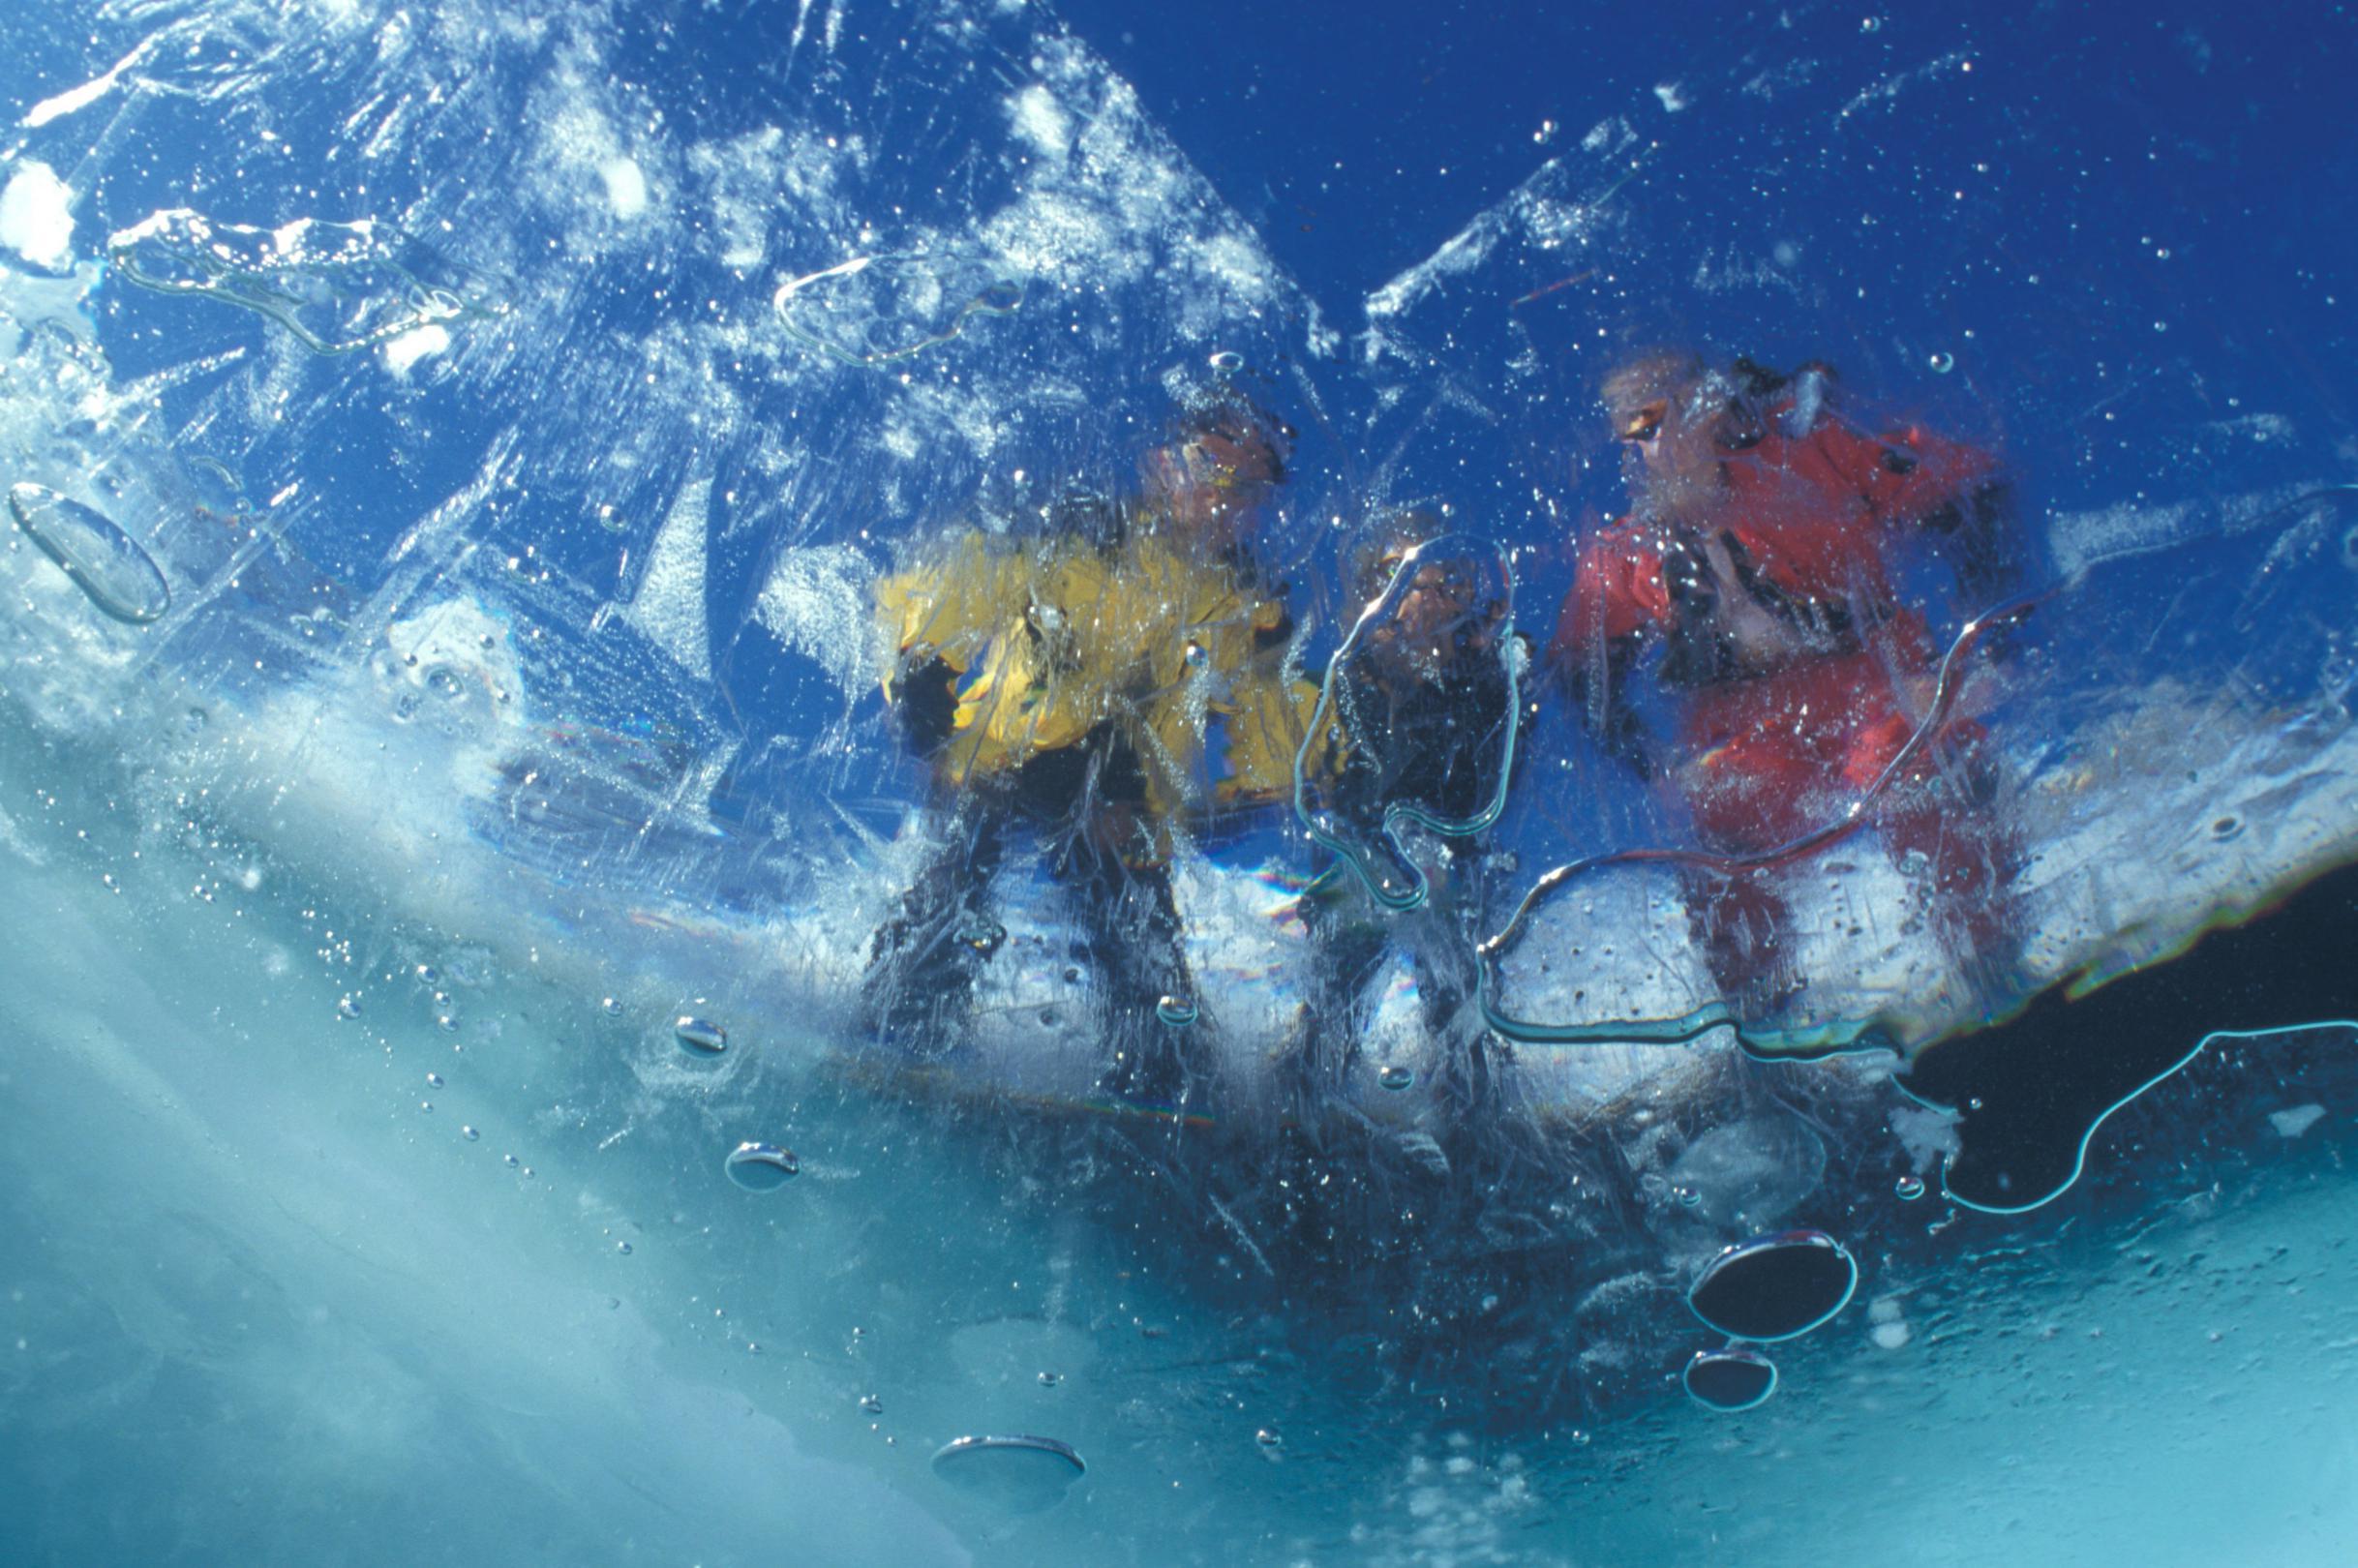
[(1341, 832), (104, 562)]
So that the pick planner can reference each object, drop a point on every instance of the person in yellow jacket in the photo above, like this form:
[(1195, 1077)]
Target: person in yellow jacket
[(1113, 688)]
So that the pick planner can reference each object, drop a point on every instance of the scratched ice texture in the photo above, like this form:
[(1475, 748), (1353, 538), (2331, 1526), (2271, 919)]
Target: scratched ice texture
[(736, 741)]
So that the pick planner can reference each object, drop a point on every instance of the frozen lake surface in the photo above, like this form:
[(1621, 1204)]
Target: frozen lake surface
[(734, 823)]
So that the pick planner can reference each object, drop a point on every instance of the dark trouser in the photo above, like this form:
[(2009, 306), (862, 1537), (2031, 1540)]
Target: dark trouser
[(924, 959), (1350, 936), (1943, 830)]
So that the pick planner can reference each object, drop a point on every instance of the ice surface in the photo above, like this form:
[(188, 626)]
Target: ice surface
[(512, 685)]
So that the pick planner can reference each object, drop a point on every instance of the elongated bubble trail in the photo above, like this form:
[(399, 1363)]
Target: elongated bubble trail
[(104, 562)]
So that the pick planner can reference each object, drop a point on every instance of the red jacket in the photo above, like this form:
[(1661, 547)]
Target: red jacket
[(1796, 531)]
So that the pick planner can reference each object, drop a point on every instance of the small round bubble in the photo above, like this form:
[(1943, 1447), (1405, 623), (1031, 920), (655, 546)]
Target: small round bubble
[(760, 1168), (1175, 1010), (1942, 363), (1396, 1078), (1909, 1187), (700, 1036)]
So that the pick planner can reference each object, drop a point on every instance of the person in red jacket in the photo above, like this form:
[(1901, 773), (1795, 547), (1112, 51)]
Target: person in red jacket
[(1752, 588)]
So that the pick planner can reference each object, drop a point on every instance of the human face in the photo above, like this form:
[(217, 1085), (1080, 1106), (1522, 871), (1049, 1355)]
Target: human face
[(1209, 481), (1672, 434)]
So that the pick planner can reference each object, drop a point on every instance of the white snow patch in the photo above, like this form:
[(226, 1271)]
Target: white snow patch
[(816, 602), (1925, 1134), (1891, 1336), (37, 216), (2080, 540), (1042, 121), (415, 344), (2291, 1124), (625, 186), (82, 96), (1672, 96), (669, 606)]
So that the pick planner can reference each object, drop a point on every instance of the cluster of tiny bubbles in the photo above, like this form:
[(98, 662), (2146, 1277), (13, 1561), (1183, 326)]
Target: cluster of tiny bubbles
[(1175, 1010), (1942, 362), (762, 1167), (700, 1037), (1226, 361), (1910, 1187), (1396, 1078)]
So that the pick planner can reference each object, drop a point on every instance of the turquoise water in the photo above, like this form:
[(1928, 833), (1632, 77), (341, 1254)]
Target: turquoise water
[(448, 808)]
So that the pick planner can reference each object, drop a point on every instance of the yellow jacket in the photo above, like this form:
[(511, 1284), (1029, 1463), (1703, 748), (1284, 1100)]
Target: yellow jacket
[(1049, 639)]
